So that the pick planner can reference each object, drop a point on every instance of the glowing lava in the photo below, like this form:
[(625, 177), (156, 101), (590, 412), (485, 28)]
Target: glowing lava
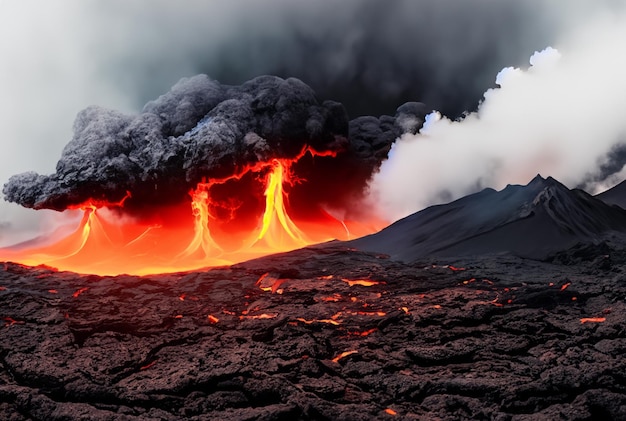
[(232, 219)]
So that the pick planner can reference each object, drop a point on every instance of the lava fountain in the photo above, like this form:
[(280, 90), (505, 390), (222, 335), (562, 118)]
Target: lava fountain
[(228, 220), (206, 175)]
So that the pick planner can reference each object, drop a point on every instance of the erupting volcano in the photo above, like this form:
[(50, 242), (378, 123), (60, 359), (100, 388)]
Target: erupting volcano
[(208, 175)]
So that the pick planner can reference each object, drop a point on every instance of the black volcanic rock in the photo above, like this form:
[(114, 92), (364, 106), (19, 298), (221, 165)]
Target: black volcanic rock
[(504, 339), (532, 221), (615, 195)]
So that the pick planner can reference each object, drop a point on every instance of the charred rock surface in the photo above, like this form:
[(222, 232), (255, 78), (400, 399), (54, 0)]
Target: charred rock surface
[(320, 333)]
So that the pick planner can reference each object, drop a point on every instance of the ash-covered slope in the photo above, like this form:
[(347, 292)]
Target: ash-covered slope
[(532, 221), (615, 195)]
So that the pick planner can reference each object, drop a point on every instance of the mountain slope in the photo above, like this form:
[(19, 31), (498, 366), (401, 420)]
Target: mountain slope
[(615, 195), (530, 221)]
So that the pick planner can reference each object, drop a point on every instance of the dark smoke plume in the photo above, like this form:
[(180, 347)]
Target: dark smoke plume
[(202, 129)]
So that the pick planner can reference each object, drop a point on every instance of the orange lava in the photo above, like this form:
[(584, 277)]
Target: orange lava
[(361, 282), (363, 333), (592, 320), (270, 284), (224, 223), (343, 355), (262, 316), (327, 321)]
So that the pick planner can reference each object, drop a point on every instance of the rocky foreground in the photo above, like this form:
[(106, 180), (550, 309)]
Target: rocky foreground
[(319, 334)]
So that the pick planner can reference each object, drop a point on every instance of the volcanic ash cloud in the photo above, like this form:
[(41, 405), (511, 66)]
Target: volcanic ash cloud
[(203, 130)]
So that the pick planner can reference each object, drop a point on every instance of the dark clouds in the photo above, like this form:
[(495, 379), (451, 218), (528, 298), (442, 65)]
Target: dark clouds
[(370, 55)]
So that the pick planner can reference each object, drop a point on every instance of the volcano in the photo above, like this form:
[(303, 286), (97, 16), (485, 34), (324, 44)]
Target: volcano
[(501, 305), (532, 221)]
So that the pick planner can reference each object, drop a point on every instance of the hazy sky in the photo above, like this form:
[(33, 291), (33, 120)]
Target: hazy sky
[(59, 57)]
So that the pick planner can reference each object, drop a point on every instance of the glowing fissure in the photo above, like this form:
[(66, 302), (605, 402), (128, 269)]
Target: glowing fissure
[(213, 233)]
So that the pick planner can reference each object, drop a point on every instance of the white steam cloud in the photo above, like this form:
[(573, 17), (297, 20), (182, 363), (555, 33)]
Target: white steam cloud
[(560, 117)]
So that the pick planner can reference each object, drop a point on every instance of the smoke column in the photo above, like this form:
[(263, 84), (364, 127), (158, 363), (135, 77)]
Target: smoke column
[(563, 116)]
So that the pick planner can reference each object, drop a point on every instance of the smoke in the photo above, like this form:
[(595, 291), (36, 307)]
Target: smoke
[(563, 117), (372, 55)]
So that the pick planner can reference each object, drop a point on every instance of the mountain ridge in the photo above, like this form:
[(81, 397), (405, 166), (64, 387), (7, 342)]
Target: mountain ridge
[(615, 195), (532, 220)]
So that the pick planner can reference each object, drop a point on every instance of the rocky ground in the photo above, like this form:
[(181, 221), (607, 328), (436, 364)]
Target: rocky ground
[(319, 334)]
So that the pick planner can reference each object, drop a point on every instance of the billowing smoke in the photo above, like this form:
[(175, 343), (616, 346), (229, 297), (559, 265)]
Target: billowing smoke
[(563, 116), (201, 130)]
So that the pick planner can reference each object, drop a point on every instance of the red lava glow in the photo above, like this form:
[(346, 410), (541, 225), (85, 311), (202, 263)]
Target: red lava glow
[(8, 322), (79, 291), (147, 366), (228, 220)]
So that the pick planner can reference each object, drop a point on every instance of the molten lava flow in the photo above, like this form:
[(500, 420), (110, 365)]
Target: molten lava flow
[(362, 282), (343, 355), (231, 219), (592, 320), (327, 321), (363, 333)]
